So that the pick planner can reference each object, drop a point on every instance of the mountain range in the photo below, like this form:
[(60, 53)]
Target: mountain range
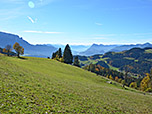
[(101, 49), (31, 50), (128, 47), (76, 49), (97, 49), (43, 50), (46, 50)]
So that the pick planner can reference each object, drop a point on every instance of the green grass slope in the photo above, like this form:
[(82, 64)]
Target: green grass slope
[(36, 85)]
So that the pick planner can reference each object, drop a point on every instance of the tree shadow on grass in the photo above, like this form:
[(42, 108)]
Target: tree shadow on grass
[(22, 58)]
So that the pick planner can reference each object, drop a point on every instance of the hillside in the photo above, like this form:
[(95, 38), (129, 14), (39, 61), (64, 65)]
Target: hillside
[(36, 85), (30, 50), (136, 60)]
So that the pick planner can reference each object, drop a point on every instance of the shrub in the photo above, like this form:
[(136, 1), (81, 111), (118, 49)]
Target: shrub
[(148, 90), (133, 85), (123, 82), (116, 78), (119, 80)]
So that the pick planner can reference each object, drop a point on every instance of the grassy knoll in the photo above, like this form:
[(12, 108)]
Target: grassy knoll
[(36, 85), (149, 51), (129, 58), (113, 68), (110, 66)]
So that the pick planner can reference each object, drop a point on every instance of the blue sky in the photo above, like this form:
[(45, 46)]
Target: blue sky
[(78, 21)]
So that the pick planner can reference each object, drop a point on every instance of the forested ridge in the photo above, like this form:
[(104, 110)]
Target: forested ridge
[(136, 61)]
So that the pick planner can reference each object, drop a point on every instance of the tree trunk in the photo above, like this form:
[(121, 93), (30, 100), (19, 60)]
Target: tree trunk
[(18, 55), (8, 53)]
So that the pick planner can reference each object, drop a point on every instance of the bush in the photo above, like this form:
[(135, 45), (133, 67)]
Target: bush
[(116, 78), (123, 82), (148, 90), (119, 80), (62, 60), (133, 85)]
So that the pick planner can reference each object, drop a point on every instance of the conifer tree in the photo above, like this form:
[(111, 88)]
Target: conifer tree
[(53, 55), (67, 55), (57, 54), (60, 53), (76, 62)]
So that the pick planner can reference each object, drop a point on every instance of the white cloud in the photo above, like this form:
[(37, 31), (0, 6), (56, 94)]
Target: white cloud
[(44, 2), (33, 21), (98, 24), (43, 32)]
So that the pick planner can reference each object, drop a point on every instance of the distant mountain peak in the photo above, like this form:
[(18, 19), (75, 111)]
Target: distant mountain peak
[(147, 44), (94, 44), (97, 49), (97, 44), (128, 47)]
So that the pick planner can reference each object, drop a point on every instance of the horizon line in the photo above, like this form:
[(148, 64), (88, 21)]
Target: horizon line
[(86, 44)]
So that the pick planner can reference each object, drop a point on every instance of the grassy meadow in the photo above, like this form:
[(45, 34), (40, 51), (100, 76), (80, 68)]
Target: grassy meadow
[(38, 85)]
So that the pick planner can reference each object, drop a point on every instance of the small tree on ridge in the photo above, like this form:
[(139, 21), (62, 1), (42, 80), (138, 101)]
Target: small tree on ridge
[(7, 49), (19, 49)]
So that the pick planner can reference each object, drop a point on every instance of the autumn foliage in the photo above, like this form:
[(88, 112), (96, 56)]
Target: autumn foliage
[(7, 49), (146, 83), (19, 49)]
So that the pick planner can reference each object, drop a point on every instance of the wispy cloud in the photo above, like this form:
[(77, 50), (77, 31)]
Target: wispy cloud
[(42, 32), (99, 24), (32, 20), (40, 3)]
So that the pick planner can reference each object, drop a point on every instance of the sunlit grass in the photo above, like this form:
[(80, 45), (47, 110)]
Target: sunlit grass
[(148, 51), (37, 85), (113, 68), (129, 58)]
